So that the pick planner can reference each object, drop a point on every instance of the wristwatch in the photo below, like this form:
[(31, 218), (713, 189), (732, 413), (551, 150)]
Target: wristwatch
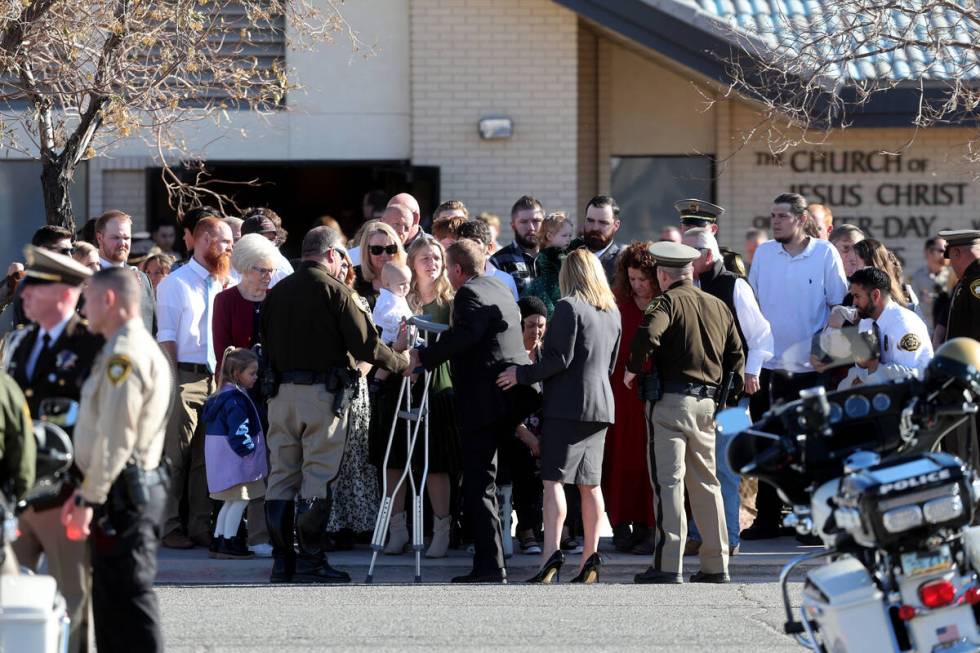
[(81, 502)]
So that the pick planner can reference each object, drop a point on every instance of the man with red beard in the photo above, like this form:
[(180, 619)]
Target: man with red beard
[(184, 304), (114, 235), (601, 225)]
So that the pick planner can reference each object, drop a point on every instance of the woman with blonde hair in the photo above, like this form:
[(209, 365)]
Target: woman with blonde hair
[(431, 295), (379, 244), (580, 348)]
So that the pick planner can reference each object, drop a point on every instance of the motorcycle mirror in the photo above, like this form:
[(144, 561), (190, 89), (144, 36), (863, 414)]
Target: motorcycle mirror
[(58, 411), (733, 420)]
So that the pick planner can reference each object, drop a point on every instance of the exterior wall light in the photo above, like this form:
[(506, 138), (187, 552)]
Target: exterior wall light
[(496, 127)]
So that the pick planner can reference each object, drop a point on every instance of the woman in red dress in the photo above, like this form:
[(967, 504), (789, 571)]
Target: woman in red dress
[(626, 475)]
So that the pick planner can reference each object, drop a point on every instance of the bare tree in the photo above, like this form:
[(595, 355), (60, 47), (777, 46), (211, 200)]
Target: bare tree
[(814, 71), (77, 76)]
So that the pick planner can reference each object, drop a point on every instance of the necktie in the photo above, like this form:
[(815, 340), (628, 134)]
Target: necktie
[(210, 291), (45, 346), (881, 344)]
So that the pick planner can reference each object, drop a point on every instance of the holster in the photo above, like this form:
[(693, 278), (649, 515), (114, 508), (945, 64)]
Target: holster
[(649, 388), (342, 383), (269, 384)]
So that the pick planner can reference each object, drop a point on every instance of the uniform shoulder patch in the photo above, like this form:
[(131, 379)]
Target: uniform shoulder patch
[(909, 342), (653, 305), (118, 368), (975, 289)]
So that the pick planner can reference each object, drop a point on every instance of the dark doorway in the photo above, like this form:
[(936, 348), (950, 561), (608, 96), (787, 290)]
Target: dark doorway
[(302, 191)]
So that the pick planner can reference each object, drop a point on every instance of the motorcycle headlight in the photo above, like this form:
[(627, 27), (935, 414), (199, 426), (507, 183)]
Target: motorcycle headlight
[(942, 510), (902, 519)]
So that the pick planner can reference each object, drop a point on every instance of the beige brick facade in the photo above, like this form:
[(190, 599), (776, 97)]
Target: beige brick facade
[(515, 58)]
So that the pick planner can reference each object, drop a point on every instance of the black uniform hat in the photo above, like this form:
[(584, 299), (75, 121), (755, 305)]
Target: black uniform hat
[(958, 237), (44, 266), (695, 210)]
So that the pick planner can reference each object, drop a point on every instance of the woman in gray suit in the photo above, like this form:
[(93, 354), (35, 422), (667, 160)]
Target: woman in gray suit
[(579, 354)]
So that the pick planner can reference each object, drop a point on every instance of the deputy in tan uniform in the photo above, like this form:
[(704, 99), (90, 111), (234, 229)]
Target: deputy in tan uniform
[(118, 444), (314, 329), (692, 339)]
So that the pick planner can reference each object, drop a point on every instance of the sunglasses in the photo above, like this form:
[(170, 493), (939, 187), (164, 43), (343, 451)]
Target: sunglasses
[(378, 250)]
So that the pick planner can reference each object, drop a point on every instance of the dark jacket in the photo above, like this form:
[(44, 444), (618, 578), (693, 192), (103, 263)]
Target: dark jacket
[(545, 284), (234, 447), (59, 373), (692, 338), (485, 338), (964, 312), (312, 322), (580, 349), (17, 444)]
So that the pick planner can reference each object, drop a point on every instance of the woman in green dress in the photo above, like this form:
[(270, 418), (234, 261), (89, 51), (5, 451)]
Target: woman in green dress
[(431, 296)]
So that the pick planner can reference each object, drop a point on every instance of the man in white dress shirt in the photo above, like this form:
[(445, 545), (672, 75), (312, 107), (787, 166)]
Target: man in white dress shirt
[(756, 336), (797, 280), (184, 304), (903, 337), (114, 236)]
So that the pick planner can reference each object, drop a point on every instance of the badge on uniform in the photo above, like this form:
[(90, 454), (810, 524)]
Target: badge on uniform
[(118, 369), (975, 288), (66, 359), (909, 342), (652, 306), (520, 267)]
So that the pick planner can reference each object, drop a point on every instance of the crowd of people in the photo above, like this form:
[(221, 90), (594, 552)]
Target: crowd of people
[(578, 378)]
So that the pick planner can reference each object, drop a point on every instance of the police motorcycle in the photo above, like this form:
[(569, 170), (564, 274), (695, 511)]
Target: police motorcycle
[(861, 469), (33, 614)]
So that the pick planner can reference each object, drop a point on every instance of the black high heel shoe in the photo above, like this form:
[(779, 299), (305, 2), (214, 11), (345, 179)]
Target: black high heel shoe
[(590, 570), (549, 572)]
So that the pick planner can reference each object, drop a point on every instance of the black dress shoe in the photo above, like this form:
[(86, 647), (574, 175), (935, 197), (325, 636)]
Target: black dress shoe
[(655, 577), (549, 571), (481, 577), (702, 577), (759, 531), (312, 570), (590, 570)]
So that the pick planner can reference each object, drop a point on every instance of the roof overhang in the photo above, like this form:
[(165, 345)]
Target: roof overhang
[(685, 34)]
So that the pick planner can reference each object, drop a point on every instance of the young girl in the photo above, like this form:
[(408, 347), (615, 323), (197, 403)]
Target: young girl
[(234, 450), (555, 236)]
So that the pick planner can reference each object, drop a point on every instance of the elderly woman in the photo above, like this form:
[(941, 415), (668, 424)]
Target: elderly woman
[(580, 349), (626, 470), (379, 244), (235, 322)]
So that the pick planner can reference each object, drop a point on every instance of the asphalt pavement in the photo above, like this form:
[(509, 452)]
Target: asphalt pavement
[(217, 605)]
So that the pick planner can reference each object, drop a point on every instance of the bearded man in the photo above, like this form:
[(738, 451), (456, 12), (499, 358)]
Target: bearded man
[(517, 259), (114, 235), (185, 300), (599, 229)]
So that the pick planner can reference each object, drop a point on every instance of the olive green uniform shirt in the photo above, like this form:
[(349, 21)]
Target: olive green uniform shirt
[(313, 322), (692, 338), (17, 445)]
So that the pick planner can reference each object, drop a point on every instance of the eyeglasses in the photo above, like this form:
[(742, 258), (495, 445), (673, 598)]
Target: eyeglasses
[(378, 250), (263, 272)]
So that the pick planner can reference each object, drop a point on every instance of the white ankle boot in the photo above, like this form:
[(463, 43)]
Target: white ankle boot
[(504, 495), (397, 535), (440, 538)]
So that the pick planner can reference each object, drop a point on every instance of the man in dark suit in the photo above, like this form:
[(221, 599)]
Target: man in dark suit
[(601, 225), (485, 338)]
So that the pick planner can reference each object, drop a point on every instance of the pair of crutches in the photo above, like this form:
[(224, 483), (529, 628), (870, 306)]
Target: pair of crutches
[(416, 419)]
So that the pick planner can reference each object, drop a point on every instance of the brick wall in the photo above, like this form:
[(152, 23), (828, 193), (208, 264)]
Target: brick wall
[(517, 58), (588, 114), (900, 200)]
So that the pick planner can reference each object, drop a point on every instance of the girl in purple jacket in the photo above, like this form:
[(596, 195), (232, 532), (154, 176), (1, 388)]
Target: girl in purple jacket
[(234, 450)]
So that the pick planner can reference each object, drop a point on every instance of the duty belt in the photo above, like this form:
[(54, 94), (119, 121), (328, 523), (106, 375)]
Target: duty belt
[(691, 389), (304, 377)]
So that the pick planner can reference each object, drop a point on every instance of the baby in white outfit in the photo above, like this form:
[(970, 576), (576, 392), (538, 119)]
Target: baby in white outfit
[(392, 306)]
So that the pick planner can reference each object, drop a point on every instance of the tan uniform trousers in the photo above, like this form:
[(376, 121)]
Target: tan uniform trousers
[(68, 563), (684, 449), (184, 445), (306, 442)]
